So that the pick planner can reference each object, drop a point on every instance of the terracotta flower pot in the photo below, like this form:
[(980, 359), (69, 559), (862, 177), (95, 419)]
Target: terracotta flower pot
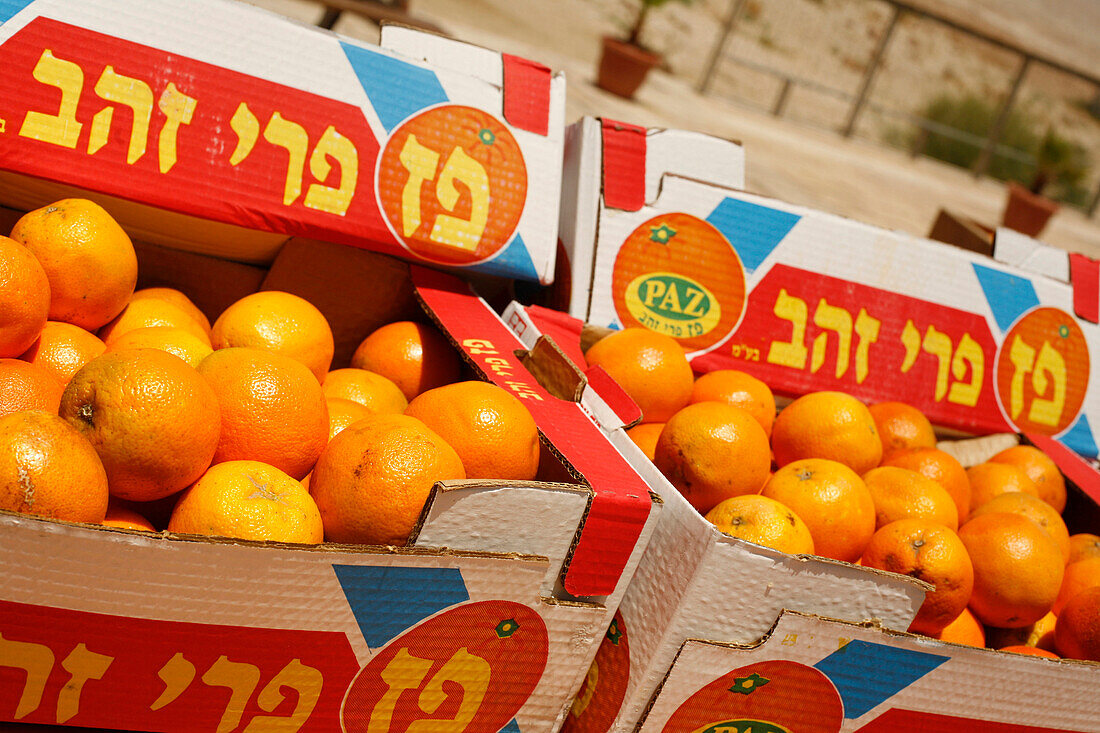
[(623, 67), (1027, 212)]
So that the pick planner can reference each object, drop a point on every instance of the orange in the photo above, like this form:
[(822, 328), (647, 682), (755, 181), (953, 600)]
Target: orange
[(151, 312), (1077, 632), (830, 425), (152, 419), (1041, 469), (123, 518), (413, 356), (1030, 650), (1079, 576), (373, 479), (1035, 509), (176, 298), (26, 386), (278, 322), (1039, 634), (62, 348), (1083, 546), (901, 427), (373, 391), (248, 500), (89, 260), (899, 493), (990, 479), (965, 629), (24, 298), (490, 429), (650, 367), (740, 390), (833, 501), (645, 436), (926, 550), (711, 451), (272, 409), (1017, 569), (342, 413), (176, 341), (49, 470), (764, 521), (941, 467)]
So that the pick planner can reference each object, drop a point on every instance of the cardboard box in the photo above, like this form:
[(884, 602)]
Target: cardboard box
[(253, 128), (810, 301)]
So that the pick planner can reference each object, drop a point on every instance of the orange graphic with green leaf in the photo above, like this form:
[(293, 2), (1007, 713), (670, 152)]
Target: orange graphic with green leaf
[(604, 687)]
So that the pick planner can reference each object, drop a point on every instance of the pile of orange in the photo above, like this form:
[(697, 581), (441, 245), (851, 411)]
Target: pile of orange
[(133, 410), (828, 475)]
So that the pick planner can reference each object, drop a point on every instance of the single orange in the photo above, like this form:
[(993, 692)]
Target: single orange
[(373, 479), (25, 386), (899, 493), (763, 521), (414, 356), (1039, 634), (1030, 651), (272, 409), (1018, 569), (901, 427), (740, 390), (248, 500), (1077, 632), (124, 518), (830, 425), (649, 366), (990, 479), (1079, 576), (153, 420), (941, 467), (711, 451), (1083, 546), (150, 312), (926, 550), (176, 341), (47, 469), (62, 348), (342, 413), (373, 391), (965, 629), (278, 322), (833, 501), (1035, 509), (24, 298), (88, 258), (176, 298), (489, 427), (645, 436), (1041, 469)]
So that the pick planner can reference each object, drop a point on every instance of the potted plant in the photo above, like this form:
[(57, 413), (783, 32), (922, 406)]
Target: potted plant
[(1056, 159), (625, 63)]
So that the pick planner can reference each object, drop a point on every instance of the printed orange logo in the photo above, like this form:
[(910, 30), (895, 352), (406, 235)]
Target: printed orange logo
[(604, 687), (678, 275), (452, 184), (1043, 371)]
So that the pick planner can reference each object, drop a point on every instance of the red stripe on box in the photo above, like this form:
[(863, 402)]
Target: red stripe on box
[(624, 149), (913, 721), (624, 407), (1085, 276), (526, 94)]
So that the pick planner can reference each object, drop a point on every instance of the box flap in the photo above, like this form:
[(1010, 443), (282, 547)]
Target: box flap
[(1019, 250), (1085, 277)]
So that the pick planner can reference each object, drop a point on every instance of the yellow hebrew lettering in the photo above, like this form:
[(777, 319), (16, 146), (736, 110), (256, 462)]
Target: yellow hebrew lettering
[(404, 672), (177, 674), (479, 346), (1050, 371), (938, 344), (62, 128), (241, 679), (333, 200), (34, 659), (867, 333), (968, 354), (464, 234), (790, 353), (910, 339), (420, 162), (178, 109), (304, 680), (1022, 357), (133, 93), (789, 640), (832, 318), (293, 138), (247, 129), (469, 671), (83, 665)]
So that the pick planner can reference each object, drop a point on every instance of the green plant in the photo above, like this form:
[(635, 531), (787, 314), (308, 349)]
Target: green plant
[(639, 19)]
